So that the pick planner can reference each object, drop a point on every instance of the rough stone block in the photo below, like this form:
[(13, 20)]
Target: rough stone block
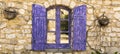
[(42, 52), (7, 30), (117, 15), (28, 40), (49, 52), (105, 43), (11, 4), (4, 41), (91, 42), (91, 38), (89, 23), (19, 47), (21, 41), (83, 52), (27, 18), (116, 8), (66, 2), (115, 2), (3, 24), (58, 53), (112, 50), (28, 35), (114, 43), (90, 11), (107, 2), (100, 2), (9, 47), (105, 39), (112, 34), (118, 24), (26, 31), (25, 6), (28, 47), (115, 29), (76, 52), (92, 33), (46, 4), (10, 36), (30, 22), (68, 53), (51, 2), (72, 4), (118, 34), (90, 17), (58, 1), (21, 11), (108, 29), (2, 35), (26, 26), (114, 39), (93, 1), (18, 52)]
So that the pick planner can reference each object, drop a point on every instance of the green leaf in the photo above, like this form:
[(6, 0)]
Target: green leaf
[(116, 53), (97, 52), (92, 53)]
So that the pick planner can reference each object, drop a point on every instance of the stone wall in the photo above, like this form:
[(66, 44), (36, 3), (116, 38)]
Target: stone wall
[(15, 35)]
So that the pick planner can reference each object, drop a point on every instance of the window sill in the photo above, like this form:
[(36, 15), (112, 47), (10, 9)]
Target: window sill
[(58, 50)]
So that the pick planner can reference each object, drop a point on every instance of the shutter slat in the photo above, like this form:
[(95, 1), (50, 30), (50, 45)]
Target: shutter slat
[(79, 34), (38, 27)]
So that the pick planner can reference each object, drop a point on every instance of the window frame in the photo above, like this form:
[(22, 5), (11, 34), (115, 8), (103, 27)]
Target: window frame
[(57, 20)]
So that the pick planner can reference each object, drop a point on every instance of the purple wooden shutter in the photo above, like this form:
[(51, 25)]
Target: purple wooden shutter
[(38, 27), (79, 34)]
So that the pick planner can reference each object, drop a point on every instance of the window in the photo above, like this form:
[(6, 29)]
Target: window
[(55, 31), (58, 31)]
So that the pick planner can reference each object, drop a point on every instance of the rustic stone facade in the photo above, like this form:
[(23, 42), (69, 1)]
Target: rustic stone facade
[(15, 35)]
